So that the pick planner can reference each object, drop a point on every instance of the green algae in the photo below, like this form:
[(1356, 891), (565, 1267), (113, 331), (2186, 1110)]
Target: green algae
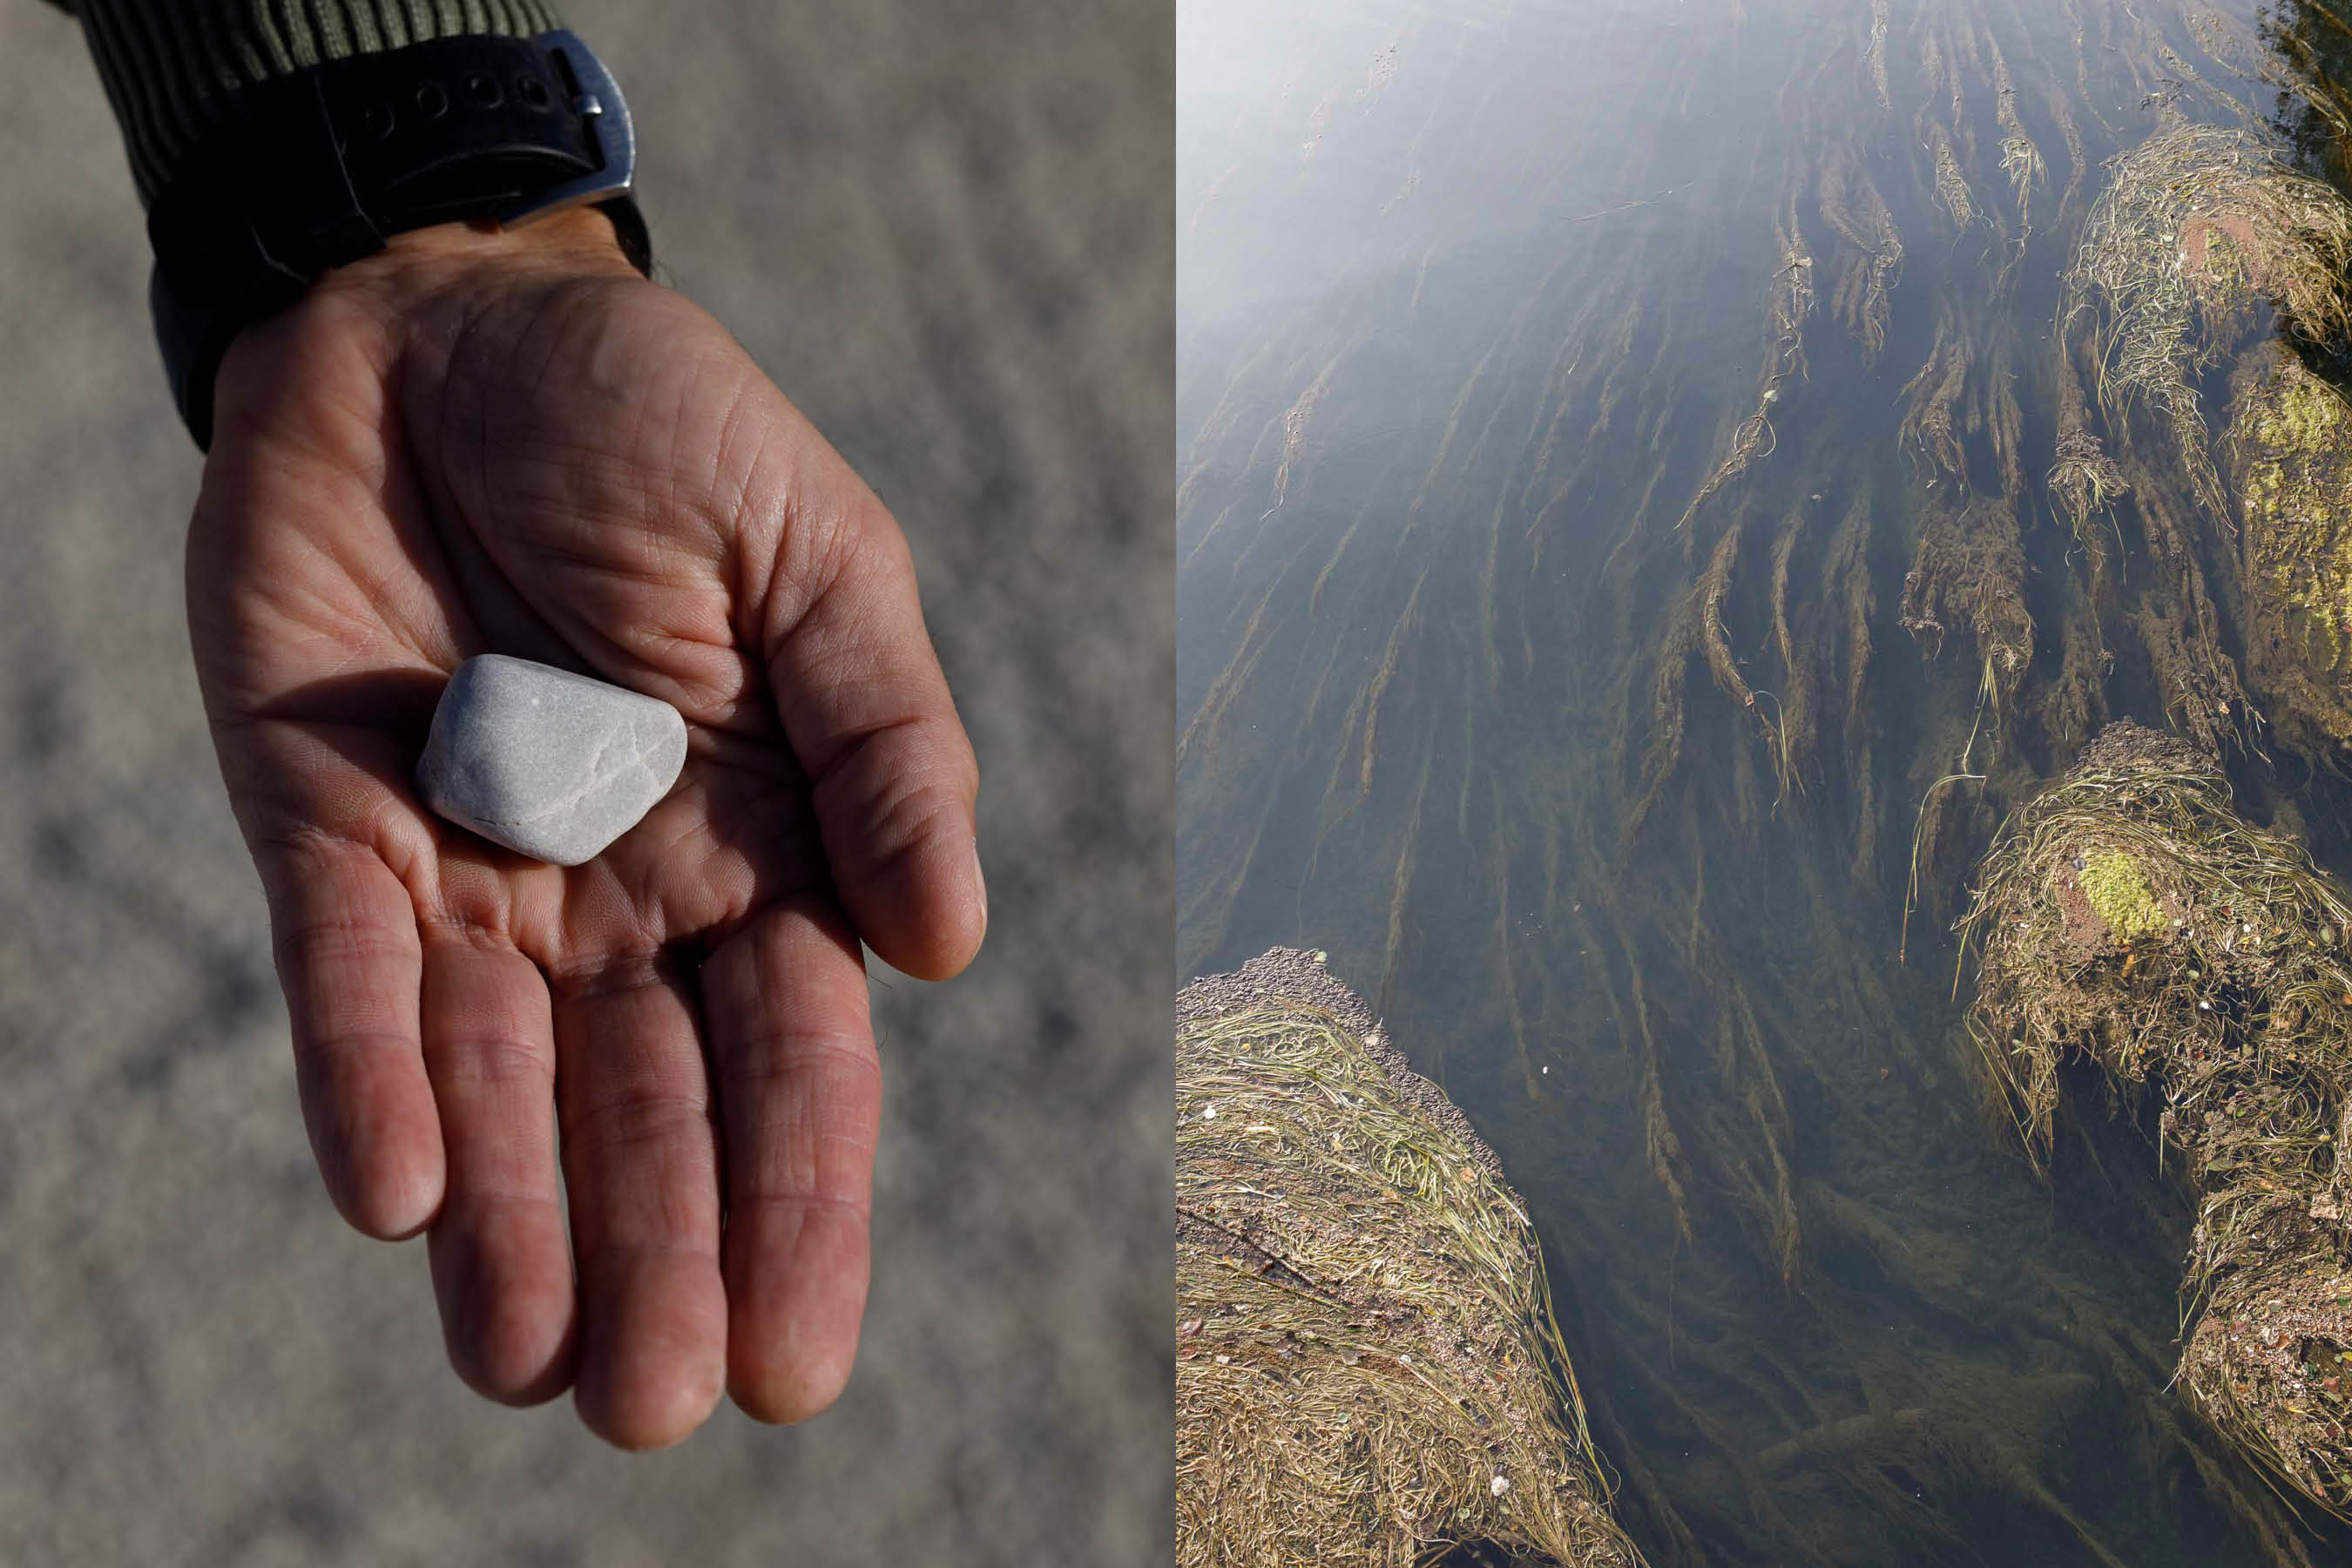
[(2117, 890), (2291, 437)]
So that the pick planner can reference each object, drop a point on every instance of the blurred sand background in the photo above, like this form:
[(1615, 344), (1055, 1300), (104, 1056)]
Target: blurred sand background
[(943, 228)]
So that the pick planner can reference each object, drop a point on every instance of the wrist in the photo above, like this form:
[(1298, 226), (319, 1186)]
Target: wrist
[(582, 240)]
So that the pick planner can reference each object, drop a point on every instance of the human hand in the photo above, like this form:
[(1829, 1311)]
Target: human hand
[(479, 441)]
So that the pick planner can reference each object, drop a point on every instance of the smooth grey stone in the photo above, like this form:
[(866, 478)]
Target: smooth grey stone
[(551, 765)]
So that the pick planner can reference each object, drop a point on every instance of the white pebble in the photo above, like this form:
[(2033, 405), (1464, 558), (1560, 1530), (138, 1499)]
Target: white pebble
[(1500, 1485), (549, 763)]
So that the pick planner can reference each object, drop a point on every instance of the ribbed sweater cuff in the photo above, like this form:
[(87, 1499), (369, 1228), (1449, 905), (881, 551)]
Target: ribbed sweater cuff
[(173, 67)]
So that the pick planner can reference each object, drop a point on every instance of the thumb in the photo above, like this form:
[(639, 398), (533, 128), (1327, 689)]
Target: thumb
[(865, 707)]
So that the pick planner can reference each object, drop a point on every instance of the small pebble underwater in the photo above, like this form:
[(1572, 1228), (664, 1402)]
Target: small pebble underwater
[(1670, 497)]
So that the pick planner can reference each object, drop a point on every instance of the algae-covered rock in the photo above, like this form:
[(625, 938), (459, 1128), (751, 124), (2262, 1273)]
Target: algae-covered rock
[(1366, 1365), (2290, 449), (2208, 247), (2203, 236), (2130, 915)]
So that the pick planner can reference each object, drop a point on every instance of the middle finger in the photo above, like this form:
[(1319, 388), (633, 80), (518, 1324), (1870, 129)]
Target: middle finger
[(641, 1164)]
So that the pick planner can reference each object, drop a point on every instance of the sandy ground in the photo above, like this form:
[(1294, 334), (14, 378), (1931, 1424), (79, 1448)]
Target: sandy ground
[(943, 228)]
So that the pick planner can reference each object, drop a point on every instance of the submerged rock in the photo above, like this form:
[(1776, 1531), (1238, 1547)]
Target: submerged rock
[(549, 763), (2204, 235), (2289, 448), (2129, 915), (1365, 1364)]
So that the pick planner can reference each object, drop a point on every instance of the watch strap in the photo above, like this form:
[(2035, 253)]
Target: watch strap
[(174, 70), (318, 169)]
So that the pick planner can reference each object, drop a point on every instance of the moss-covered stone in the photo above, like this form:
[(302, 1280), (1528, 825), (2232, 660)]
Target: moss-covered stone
[(2290, 439), (2238, 1020), (2118, 891)]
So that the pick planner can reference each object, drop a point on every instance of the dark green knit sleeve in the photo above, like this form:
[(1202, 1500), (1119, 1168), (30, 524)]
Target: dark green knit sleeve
[(171, 68)]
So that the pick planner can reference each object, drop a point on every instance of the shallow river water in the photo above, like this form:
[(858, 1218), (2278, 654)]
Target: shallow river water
[(1565, 389)]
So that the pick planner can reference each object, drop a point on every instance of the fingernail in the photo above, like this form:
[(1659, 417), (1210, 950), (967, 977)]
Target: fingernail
[(979, 877)]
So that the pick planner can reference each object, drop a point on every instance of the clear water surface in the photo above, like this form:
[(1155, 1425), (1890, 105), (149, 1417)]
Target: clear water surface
[(1604, 762)]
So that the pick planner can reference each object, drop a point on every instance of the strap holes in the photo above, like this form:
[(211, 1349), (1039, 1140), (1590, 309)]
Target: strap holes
[(484, 90), (432, 101), (532, 90), (379, 120)]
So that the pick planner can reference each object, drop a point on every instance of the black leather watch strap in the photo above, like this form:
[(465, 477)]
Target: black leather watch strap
[(320, 167)]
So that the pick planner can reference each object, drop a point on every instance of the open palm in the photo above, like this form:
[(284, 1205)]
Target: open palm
[(512, 443)]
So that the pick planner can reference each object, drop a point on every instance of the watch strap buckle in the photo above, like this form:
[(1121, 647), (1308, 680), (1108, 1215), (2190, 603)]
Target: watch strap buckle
[(596, 99)]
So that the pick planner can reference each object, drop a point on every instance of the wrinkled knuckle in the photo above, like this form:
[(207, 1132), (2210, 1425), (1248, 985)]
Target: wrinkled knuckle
[(787, 1210), (325, 941), (301, 844), (938, 806), (895, 809), (501, 1061), (338, 1045), (813, 542), (822, 1180), (774, 1058), (626, 1125)]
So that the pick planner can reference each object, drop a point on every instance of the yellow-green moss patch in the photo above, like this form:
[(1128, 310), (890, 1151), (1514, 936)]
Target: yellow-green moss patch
[(2118, 888), (2295, 442), (2290, 447)]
